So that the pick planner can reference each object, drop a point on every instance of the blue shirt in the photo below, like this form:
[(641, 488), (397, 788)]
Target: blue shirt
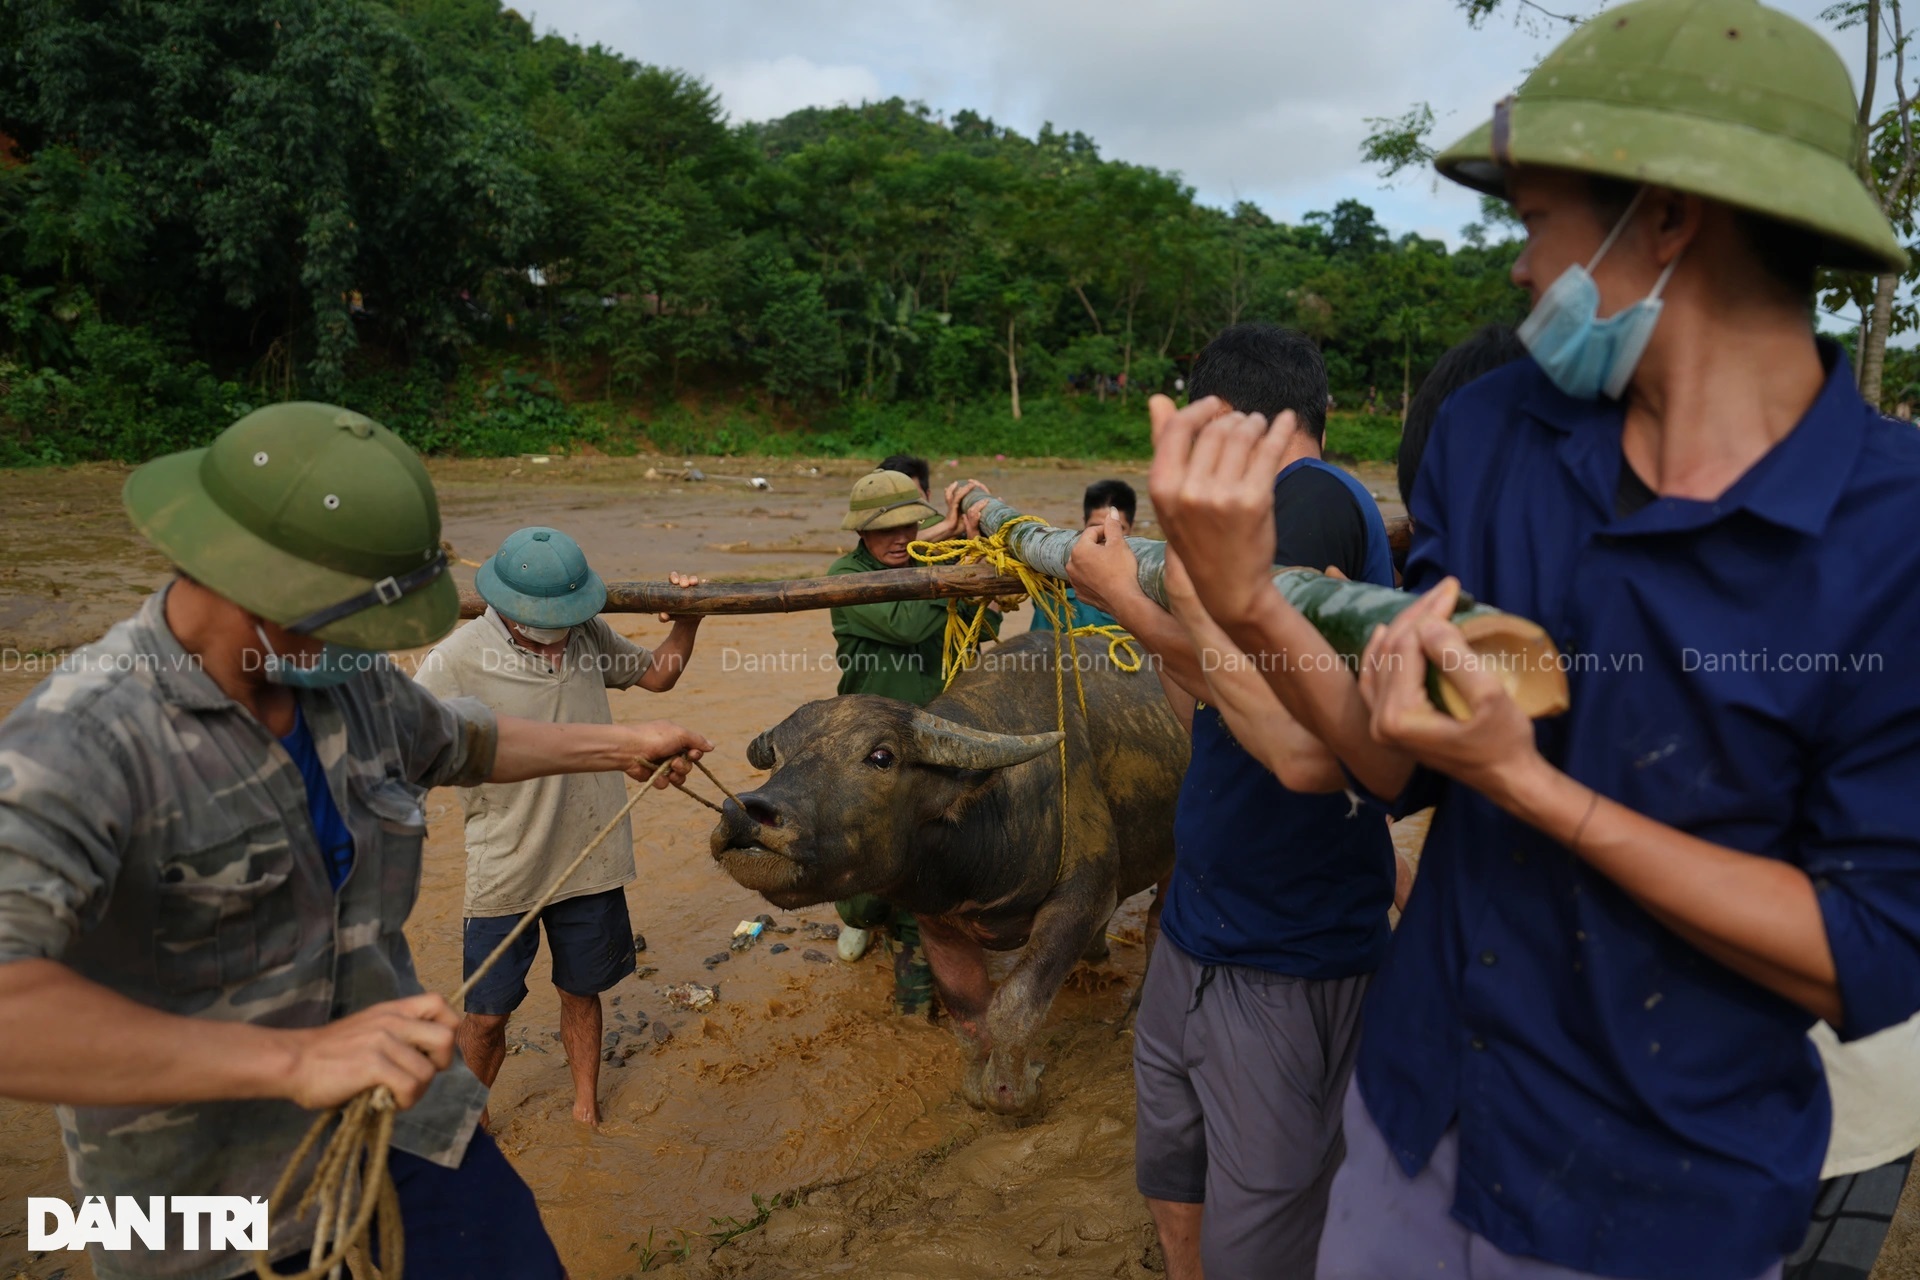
[(1262, 876), (336, 842), (1626, 1105)]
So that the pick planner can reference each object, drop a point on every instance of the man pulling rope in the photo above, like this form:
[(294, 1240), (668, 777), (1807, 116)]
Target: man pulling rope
[(210, 840)]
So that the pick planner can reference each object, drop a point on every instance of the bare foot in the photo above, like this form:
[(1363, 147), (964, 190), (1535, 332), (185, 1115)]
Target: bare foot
[(587, 1112)]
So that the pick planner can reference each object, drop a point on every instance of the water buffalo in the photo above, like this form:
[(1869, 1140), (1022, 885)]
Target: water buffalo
[(955, 813)]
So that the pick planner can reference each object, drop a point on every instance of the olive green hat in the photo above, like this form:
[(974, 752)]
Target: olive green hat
[(1725, 99), (311, 516), (886, 500)]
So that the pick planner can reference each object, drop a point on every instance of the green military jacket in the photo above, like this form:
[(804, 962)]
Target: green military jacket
[(891, 649), (155, 838)]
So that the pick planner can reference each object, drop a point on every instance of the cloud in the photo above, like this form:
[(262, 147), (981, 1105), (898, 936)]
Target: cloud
[(1264, 100), (768, 88)]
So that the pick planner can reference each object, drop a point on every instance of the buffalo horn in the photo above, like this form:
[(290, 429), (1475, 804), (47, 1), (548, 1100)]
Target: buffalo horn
[(952, 746)]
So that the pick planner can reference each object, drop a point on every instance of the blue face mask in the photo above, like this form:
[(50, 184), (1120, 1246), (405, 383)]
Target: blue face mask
[(335, 664), (1583, 355)]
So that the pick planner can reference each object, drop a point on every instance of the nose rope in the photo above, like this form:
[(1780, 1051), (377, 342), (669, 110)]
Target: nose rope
[(351, 1186), (716, 782)]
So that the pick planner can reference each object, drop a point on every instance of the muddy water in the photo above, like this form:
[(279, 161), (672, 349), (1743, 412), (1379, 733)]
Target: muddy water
[(796, 1085)]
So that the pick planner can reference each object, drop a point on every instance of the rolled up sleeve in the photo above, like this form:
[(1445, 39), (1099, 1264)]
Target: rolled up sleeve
[(64, 803), (443, 742), (1862, 849)]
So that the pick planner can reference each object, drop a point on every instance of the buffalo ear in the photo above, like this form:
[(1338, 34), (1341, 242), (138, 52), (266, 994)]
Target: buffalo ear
[(760, 751), (947, 745)]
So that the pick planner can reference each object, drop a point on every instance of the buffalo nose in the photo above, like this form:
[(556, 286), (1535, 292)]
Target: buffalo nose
[(760, 809)]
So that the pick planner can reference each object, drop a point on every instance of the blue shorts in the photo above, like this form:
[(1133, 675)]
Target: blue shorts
[(591, 939), (477, 1222)]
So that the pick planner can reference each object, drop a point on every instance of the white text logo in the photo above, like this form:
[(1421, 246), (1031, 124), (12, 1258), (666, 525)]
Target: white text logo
[(231, 1222)]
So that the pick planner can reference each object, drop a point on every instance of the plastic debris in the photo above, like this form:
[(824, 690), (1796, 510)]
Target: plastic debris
[(690, 995), (760, 482), (745, 934)]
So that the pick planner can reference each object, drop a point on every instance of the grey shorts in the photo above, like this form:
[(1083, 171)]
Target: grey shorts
[(1383, 1225), (1238, 1076)]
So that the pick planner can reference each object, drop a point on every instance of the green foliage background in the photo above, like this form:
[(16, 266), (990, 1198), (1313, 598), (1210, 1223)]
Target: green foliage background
[(497, 241)]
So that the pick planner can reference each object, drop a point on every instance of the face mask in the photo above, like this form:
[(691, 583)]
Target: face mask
[(335, 664), (1582, 354), (544, 635)]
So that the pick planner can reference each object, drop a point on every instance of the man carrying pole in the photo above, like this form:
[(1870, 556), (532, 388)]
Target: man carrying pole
[(210, 839), (1586, 1053), (543, 652), (894, 650)]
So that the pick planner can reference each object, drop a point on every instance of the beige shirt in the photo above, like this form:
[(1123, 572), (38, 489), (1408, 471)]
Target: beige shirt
[(520, 835)]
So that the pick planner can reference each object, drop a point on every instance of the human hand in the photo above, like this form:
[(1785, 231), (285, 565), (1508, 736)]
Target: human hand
[(662, 740), (682, 580), (1493, 749), (1101, 566), (1212, 487), (401, 1044)]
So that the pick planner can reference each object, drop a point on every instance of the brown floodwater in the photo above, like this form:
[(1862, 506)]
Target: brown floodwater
[(797, 1086)]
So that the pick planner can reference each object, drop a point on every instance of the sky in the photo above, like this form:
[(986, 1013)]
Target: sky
[(1261, 100)]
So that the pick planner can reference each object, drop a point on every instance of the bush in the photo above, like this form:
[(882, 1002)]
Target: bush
[(125, 396), (1364, 437), (505, 412)]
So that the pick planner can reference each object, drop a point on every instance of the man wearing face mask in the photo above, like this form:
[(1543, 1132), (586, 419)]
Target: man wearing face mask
[(1586, 1053), (210, 841), (542, 652)]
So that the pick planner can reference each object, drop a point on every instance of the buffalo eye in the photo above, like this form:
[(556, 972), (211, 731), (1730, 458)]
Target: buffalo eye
[(880, 758)]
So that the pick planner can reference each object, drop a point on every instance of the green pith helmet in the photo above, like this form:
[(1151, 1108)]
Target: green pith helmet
[(1721, 98), (311, 516), (540, 578), (886, 500)]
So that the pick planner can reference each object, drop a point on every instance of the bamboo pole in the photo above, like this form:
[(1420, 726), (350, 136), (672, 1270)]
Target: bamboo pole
[(1517, 651), (926, 582)]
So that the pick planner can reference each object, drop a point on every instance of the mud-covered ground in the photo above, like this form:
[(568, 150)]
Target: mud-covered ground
[(797, 1091)]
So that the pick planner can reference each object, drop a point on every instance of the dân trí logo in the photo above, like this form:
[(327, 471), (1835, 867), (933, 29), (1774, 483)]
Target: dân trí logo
[(231, 1222)]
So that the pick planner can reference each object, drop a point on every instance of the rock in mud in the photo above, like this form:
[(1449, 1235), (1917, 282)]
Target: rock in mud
[(662, 1033), (777, 948), (818, 957), (639, 942), (718, 957)]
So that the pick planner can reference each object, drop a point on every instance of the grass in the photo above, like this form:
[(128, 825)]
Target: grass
[(671, 1246)]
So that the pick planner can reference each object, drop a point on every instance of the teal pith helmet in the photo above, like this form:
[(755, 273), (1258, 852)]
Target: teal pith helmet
[(540, 578), (308, 515), (1726, 99)]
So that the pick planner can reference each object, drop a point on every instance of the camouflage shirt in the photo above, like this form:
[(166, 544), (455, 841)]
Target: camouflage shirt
[(155, 838)]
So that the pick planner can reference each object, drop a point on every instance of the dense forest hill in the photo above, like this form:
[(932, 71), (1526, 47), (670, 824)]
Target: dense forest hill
[(498, 239)]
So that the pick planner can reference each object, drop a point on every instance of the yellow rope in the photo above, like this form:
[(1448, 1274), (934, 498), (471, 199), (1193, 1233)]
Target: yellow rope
[(1122, 650), (961, 647), (352, 1185)]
